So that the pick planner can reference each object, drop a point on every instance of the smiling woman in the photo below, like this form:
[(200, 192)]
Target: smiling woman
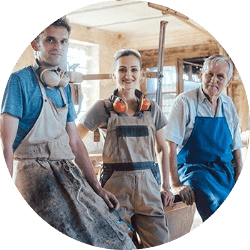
[(128, 73), (135, 135)]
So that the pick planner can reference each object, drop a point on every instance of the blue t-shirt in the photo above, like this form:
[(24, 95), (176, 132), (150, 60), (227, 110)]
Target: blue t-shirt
[(23, 99)]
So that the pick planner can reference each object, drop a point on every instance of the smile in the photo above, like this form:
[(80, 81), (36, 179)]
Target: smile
[(211, 86), (55, 54), (128, 81)]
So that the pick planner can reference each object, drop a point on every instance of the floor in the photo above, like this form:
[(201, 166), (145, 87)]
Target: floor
[(197, 220)]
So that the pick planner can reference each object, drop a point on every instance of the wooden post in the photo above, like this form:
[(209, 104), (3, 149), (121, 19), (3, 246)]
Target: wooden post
[(160, 63)]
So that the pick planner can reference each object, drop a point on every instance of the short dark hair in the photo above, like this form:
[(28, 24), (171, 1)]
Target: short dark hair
[(61, 22)]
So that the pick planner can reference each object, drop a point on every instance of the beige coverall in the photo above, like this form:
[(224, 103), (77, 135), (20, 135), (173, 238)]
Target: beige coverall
[(129, 155), (55, 188)]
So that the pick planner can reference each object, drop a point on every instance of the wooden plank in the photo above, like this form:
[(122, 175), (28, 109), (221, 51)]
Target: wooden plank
[(90, 77), (151, 74), (96, 77), (167, 10), (181, 17)]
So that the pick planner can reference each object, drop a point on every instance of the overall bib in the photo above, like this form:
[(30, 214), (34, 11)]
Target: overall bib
[(204, 163), (55, 188), (131, 174)]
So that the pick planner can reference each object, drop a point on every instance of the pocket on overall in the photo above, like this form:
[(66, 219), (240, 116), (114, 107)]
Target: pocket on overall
[(156, 173), (105, 175)]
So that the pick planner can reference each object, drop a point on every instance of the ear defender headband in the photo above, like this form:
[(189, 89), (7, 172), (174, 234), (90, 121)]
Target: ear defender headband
[(120, 106), (54, 76)]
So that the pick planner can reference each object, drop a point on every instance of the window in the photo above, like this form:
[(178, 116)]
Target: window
[(168, 87), (191, 77), (83, 57)]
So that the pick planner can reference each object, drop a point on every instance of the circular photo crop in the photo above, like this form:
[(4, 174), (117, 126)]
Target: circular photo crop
[(124, 125)]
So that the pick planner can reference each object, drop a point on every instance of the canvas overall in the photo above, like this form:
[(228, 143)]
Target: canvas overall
[(130, 172), (204, 163), (55, 188)]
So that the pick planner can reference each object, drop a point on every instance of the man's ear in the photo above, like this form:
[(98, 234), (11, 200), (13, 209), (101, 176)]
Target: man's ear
[(229, 81), (35, 45)]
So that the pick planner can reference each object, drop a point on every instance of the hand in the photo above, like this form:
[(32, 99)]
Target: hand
[(109, 198), (186, 193), (167, 197)]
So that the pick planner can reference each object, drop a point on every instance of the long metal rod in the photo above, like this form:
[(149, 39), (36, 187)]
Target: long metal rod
[(160, 63)]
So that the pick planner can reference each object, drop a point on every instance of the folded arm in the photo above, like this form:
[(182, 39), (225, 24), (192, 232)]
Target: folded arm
[(238, 164)]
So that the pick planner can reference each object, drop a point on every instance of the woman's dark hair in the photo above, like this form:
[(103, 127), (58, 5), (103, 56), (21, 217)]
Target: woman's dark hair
[(126, 52)]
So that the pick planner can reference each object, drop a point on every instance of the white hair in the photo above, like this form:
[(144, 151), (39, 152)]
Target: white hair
[(217, 59)]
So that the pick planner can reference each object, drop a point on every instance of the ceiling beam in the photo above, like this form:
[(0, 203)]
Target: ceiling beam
[(125, 22), (179, 16), (166, 10)]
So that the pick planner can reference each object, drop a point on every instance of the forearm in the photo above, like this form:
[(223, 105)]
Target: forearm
[(163, 161), (238, 164), (82, 160), (8, 156), (82, 130), (174, 176), (162, 158), (9, 125)]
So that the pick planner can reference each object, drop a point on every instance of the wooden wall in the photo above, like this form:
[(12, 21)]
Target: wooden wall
[(110, 42), (236, 89)]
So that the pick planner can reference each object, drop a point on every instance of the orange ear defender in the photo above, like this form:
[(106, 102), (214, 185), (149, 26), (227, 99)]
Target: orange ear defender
[(144, 104), (120, 106)]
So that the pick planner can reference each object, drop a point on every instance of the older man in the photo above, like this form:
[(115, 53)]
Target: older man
[(38, 132), (203, 128)]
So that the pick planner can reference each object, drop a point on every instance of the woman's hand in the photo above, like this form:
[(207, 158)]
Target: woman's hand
[(167, 197)]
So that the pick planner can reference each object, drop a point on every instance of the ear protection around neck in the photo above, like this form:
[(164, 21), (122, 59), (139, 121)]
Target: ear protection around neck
[(54, 76), (120, 106)]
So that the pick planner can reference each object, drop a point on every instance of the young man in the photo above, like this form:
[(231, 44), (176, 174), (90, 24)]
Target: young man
[(39, 135)]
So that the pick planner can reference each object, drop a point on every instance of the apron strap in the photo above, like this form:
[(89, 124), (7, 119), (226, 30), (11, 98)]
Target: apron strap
[(63, 95), (197, 103)]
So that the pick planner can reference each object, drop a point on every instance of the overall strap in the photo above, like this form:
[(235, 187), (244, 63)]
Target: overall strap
[(108, 104)]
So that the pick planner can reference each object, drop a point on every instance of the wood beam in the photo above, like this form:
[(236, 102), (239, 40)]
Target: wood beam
[(179, 16), (90, 77)]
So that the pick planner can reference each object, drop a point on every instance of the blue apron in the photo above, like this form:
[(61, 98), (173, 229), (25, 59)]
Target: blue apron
[(204, 163)]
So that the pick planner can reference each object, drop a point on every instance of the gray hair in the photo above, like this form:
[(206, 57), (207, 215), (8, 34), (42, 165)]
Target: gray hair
[(217, 59)]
